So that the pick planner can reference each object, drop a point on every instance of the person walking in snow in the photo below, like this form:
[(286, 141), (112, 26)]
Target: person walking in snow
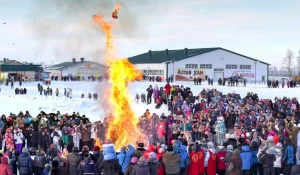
[(56, 92), (18, 137)]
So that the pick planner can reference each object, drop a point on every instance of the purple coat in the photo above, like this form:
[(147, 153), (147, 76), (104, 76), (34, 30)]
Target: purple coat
[(141, 168)]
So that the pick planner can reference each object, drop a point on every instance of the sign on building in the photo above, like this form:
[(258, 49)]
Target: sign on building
[(189, 74), (247, 74)]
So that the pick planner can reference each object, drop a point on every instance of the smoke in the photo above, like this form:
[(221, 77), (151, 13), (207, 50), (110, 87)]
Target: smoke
[(66, 30)]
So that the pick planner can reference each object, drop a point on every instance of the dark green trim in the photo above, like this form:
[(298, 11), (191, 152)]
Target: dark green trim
[(16, 68)]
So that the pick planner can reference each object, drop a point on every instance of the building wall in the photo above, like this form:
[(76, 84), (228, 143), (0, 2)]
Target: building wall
[(218, 60), (85, 69), (153, 69)]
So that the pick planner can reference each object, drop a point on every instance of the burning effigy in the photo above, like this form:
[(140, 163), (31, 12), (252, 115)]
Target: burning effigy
[(116, 10), (123, 129)]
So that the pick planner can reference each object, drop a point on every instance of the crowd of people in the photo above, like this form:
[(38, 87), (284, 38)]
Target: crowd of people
[(206, 132)]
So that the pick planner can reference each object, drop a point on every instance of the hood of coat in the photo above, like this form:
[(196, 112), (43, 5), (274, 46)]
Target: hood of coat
[(142, 161), (153, 160), (4, 160), (169, 156)]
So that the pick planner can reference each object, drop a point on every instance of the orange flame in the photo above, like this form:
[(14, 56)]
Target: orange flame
[(123, 128)]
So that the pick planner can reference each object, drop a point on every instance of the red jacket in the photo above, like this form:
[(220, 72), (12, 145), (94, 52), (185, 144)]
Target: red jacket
[(150, 149), (212, 163), (4, 167), (161, 170), (161, 129), (201, 157), (193, 168), (220, 163), (168, 88)]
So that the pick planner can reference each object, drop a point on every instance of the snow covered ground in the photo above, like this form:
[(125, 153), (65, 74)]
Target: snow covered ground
[(97, 110)]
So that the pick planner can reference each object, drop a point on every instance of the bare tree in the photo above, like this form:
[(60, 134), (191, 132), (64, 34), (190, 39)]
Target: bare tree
[(288, 62), (298, 62)]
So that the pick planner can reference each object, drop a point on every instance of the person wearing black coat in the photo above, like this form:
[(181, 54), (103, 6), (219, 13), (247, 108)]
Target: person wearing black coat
[(73, 161), (39, 162), (25, 165), (35, 138), (44, 140), (110, 167), (52, 152), (232, 141), (149, 94)]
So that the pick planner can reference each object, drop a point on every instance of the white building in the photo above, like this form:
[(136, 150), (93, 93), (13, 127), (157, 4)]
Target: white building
[(80, 68), (186, 64)]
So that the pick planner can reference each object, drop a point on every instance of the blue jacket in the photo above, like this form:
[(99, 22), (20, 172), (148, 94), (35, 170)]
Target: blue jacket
[(46, 170), (246, 156), (124, 161), (1, 125), (254, 156), (183, 155), (25, 164), (288, 155)]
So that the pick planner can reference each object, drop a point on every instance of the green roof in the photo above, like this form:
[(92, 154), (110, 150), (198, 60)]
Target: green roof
[(17, 68), (65, 65), (154, 57)]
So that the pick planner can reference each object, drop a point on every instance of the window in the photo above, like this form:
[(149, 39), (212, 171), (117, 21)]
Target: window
[(231, 66), (153, 72), (219, 70), (191, 66), (245, 66), (205, 66)]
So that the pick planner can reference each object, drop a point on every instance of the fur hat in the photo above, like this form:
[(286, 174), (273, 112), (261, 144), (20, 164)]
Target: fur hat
[(229, 147), (85, 148)]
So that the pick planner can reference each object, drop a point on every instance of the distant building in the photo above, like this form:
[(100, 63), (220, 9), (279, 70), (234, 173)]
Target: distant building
[(82, 69), (15, 70), (186, 64)]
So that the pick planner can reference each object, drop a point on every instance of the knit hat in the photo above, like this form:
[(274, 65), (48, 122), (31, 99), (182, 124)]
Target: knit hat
[(96, 148), (134, 160), (161, 150), (152, 155), (75, 149), (85, 148), (229, 147), (142, 159), (236, 151), (24, 150), (163, 146)]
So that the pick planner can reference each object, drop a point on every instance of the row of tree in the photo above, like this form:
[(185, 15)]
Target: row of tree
[(288, 61)]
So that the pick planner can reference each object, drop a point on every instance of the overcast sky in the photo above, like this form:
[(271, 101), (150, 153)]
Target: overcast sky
[(58, 30)]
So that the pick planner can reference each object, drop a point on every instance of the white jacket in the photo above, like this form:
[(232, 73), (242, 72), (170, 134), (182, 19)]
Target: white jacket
[(278, 155), (93, 133), (18, 136), (56, 138)]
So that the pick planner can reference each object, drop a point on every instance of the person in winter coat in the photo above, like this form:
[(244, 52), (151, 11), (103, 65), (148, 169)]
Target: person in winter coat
[(153, 164), (73, 161), (76, 138), (194, 158), (141, 168), (124, 156), (9, 139), (288, 157), (246, 156), (210, 159), (18, 136), (87, 165), (52, 152), (159, 156), (12, 160), (25, 164), (267, 159), (221, 166), (39, 162), (256, 166), (110, 164), (277, 162), (55, 169), (139, 151), (171, 161), (129, 168), (236, 160), (46, 169), (4, 166), (183, 156)]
